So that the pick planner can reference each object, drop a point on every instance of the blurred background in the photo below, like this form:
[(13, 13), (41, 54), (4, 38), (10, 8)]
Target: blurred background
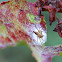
[(23, 53)]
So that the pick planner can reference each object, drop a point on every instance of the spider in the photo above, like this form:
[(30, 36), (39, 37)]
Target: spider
[(39, 34)]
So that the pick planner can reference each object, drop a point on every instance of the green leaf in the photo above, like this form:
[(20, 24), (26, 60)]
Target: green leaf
[(21, 43)]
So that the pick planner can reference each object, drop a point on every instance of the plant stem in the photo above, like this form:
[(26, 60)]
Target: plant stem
[(46, 59)]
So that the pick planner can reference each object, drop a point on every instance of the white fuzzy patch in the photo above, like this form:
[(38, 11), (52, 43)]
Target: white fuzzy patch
[(40, 41), (36, 39)]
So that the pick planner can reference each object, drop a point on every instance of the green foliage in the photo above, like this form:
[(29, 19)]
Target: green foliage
[(21, 43), (60, 53)]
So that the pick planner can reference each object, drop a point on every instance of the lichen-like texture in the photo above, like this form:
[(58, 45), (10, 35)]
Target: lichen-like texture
[(19, 21)]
